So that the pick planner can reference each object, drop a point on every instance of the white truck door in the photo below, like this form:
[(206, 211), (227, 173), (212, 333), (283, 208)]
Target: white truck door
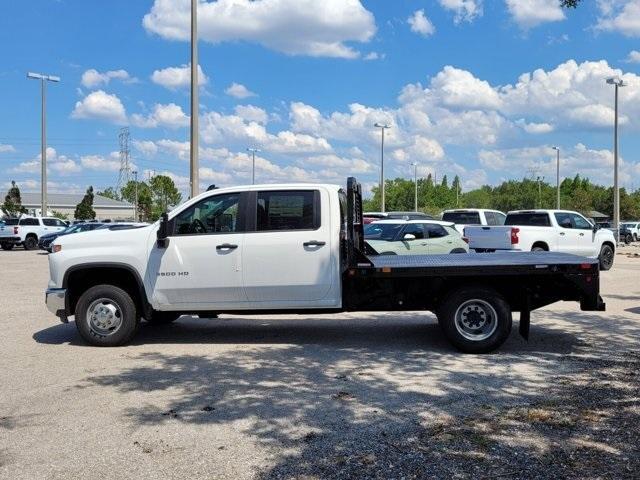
[(287, 259), (201, 265), (568, 236), (586, 237)]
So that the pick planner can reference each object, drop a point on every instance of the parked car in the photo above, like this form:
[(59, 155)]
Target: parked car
[(297, 248), (46, 241), (546, 230), (26, 231), (623, 234), (369, 217), (462, 217), (414, 237), (634, 229)]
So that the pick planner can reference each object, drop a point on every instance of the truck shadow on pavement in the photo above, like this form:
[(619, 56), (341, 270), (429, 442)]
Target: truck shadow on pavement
[(346, 398)]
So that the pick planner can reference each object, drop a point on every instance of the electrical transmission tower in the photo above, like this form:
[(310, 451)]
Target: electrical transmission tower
[(125, 168)]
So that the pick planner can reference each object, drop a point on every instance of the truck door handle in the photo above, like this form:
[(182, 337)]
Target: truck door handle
[(582, 234), (314, 243), (226, 246), (562, 233)]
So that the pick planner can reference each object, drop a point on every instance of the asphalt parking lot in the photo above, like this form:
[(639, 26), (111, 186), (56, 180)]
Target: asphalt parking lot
[(336, 396)]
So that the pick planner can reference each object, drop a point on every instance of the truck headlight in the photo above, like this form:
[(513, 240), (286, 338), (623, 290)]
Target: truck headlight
[(56, 248)]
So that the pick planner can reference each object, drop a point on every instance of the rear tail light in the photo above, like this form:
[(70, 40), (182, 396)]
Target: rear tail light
[(15, 230), (514, 236)]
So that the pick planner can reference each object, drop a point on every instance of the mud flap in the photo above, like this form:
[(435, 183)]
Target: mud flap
[(525, 318)]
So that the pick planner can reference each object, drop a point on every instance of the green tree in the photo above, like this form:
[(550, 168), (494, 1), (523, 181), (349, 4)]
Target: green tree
[(60, 215), (145, 198), (12, 205), (109, 192), (84, 210), (164, 194)]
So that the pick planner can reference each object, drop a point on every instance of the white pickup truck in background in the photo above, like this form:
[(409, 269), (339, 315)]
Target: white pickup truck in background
[(545, 230), (26, 231), (462, 217)]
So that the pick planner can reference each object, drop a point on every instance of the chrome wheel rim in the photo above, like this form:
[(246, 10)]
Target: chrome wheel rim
[(104, 316), (476, 320)]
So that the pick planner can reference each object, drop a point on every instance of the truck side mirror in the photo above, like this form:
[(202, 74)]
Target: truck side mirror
[(163, 231), (409, 236), (596, 227)]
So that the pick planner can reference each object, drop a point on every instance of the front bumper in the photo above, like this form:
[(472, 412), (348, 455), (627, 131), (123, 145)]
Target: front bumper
[(55, 298)]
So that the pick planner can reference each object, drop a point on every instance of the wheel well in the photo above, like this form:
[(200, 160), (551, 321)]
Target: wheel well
[(540, 244), (79, 281), (610, 245), (29, 235)]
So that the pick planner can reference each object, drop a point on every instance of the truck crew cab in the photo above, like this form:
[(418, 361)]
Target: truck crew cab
[(294, 248)]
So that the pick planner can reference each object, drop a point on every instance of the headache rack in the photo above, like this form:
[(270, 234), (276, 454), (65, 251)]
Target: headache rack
[(355, 226)]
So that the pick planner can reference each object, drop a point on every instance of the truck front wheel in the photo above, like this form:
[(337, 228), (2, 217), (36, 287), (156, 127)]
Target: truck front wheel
[(606, 257), (31, 242), (475, 319), (106, 316)]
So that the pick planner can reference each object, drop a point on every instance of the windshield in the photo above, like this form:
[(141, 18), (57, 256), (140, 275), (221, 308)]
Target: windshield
[(382, 231), (462, 218)]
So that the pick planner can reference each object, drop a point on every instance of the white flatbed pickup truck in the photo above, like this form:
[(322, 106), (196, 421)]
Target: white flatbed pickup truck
[(26, 231), (462, 217), (545, 230), (295, 248)]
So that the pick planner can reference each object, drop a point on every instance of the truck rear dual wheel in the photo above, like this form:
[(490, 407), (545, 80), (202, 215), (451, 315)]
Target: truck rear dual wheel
[(475, 319), (106, 316)]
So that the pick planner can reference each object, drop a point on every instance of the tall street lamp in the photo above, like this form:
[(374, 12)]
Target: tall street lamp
[(43, 135), (557, 149), (382, 127), (617, 82), (415, 182), (194, 144), (253, 152)]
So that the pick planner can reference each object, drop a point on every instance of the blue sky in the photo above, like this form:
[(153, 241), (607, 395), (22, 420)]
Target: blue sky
[(481, 89)]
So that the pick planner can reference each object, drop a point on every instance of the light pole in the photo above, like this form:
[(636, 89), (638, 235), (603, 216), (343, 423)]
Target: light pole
[(617, 82), (135, 204), (43, 135), (557, 149), (382, 127), (415, 181), (253, 152), (194, 144), (540, 179)]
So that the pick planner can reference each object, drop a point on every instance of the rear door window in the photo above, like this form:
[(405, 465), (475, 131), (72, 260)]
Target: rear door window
[(288, 210), (414, 229), (435, 231), (30, 222)]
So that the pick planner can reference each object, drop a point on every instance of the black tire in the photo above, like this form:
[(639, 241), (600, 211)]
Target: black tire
[(628, 239), (6, 246), (162, 318), (388, 253), (128, 317), (606, 258), (496, 322), (458, 250), (31, 243), (538, 248)]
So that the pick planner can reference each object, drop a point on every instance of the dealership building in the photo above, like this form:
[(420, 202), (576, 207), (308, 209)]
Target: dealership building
[(65, 203)]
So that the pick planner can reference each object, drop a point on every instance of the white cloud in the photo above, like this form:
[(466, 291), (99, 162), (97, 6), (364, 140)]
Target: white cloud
[(148, 148), (175, 78), (56, 163), (238, 90), (374, 56), (465, 10), (4, 148), (177, 149), (535, 128), (251, 113), (294, 27), (100, 105), (420, 24), (102, 163), (170, 116), (621, 16), (531, 13), (634, 56), (461, 89), (93, 78)]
